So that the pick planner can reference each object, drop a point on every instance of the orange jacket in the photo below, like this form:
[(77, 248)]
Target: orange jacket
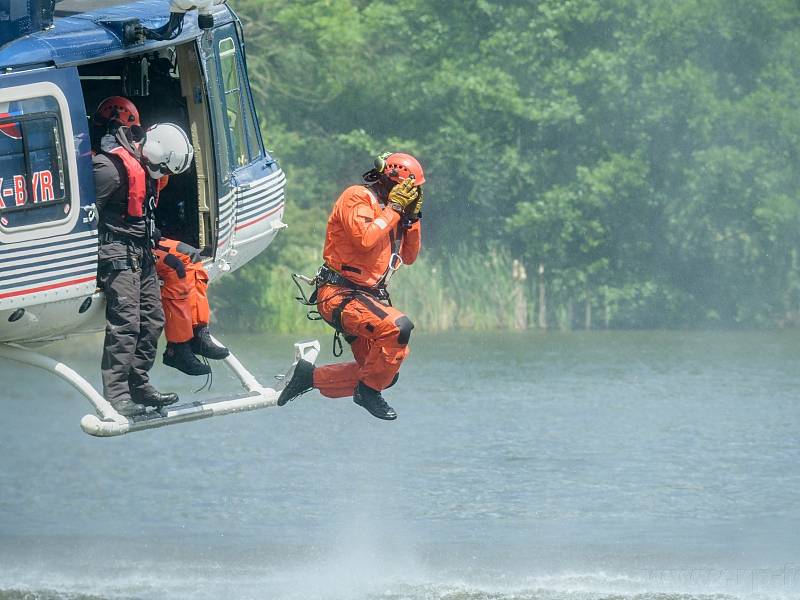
[(358, 241)]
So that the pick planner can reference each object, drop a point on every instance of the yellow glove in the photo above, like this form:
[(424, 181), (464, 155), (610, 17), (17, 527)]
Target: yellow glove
[(402, 195), (417, 213)]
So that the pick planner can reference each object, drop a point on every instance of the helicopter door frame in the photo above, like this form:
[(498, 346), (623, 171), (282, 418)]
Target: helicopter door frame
[(251, 191), (193, 89)]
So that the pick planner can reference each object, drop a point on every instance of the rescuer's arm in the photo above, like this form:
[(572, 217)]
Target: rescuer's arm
[(106, 179), (359, 219), (412, 239), (412, 242)]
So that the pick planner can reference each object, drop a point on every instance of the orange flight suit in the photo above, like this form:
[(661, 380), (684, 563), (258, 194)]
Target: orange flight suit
[(358, 246), (183, 291)]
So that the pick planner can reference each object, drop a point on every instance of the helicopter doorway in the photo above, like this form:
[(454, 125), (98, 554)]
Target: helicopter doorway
[(167, 86)]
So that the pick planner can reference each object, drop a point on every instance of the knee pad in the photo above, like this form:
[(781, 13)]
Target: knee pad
[(405, 326)]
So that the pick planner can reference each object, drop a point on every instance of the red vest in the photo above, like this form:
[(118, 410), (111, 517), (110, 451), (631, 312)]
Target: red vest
[(137, 181)]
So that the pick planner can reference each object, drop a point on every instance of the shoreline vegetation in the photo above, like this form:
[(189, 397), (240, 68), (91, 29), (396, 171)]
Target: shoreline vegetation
[(463, 291), (618, 164)]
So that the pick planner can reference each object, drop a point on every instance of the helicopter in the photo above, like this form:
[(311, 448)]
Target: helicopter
[(181, 61)]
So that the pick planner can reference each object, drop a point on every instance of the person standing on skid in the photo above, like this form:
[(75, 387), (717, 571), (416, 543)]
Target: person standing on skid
[(126, 173), (373, 229)]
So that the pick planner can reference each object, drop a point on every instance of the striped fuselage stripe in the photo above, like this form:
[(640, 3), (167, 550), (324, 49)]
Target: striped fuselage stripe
[(44, 288), (39, 265)]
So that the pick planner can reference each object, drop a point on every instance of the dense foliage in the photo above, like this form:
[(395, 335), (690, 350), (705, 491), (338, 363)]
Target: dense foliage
[(642, 154)]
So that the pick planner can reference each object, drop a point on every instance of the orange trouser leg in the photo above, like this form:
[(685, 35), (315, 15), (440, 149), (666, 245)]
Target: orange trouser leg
[(175, 298), (177, 318), (340, 379), (198, 296), (380, 345)]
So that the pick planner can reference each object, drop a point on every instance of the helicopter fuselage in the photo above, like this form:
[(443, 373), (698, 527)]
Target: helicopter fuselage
[(230, 203)]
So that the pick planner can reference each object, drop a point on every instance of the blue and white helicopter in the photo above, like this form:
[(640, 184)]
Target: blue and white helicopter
[(181, 61)]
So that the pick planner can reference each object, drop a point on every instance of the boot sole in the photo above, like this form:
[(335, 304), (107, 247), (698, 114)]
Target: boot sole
[(158, 406), (190, 373), (382, 416), (287, 378), (211, 353)]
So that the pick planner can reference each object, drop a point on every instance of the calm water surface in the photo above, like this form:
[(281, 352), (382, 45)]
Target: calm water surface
[(582, 466)]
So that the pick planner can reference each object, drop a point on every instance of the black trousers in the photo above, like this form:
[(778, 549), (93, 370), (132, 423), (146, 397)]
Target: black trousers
[(134, 318)]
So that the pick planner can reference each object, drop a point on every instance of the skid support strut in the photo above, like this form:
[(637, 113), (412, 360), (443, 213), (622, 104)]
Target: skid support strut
[(108, 422)]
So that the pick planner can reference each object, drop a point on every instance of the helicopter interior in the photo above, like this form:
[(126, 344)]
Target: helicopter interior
[(166, 86)]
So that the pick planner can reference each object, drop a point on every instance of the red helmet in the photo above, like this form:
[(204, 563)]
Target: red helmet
[(398, 166), (116, 109)]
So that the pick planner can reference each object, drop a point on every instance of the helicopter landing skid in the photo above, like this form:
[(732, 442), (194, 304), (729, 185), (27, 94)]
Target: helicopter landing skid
[(108, 422)]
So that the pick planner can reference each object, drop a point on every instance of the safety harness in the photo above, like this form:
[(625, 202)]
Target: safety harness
[(350, 290)]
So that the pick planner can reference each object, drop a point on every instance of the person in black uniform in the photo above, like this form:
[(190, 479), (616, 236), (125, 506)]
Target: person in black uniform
[(126, 173)]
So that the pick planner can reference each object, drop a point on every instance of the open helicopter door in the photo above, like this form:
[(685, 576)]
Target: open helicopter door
[(250, 185), (108, 422)]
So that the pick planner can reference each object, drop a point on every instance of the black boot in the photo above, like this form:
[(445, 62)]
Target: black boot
[(203, 345), (150, 396), (128, 408), (372, 400), (179, 356), (299, 379)]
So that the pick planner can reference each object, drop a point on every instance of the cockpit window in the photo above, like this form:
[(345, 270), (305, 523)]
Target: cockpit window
[(33, 186)]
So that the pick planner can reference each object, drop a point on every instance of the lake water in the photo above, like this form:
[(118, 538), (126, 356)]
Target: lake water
[(647, 465)]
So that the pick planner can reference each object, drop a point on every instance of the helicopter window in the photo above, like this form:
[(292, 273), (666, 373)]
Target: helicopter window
[(233, 100), (32, 170), (240, 124)]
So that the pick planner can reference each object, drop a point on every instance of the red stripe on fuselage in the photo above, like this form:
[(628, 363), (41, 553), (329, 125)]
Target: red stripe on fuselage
[(44, 288), (261, 218)]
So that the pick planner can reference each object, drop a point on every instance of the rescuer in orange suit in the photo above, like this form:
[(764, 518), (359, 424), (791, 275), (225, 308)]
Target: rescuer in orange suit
[(372, 230)]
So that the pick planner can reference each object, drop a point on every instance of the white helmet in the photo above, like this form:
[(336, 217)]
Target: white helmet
[(166, 150)]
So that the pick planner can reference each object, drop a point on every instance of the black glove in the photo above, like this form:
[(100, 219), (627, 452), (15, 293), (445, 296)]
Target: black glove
[(189, 251)]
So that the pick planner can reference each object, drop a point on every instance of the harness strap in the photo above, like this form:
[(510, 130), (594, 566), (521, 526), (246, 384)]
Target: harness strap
[(328, 276), (336, 323), (368, 296), (395, 260), (108, 236), (336, 313)]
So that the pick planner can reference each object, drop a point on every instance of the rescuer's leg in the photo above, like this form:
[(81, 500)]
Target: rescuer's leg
[(374, 402), (388, 332), (382, 334), (121, 286), (151, 317), (202, 343), (336, 380), (179, 355), (175, 300), (299, 380), (339, 379)]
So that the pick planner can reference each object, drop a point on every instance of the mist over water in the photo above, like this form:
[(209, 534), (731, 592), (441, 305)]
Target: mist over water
[(630, 465)]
